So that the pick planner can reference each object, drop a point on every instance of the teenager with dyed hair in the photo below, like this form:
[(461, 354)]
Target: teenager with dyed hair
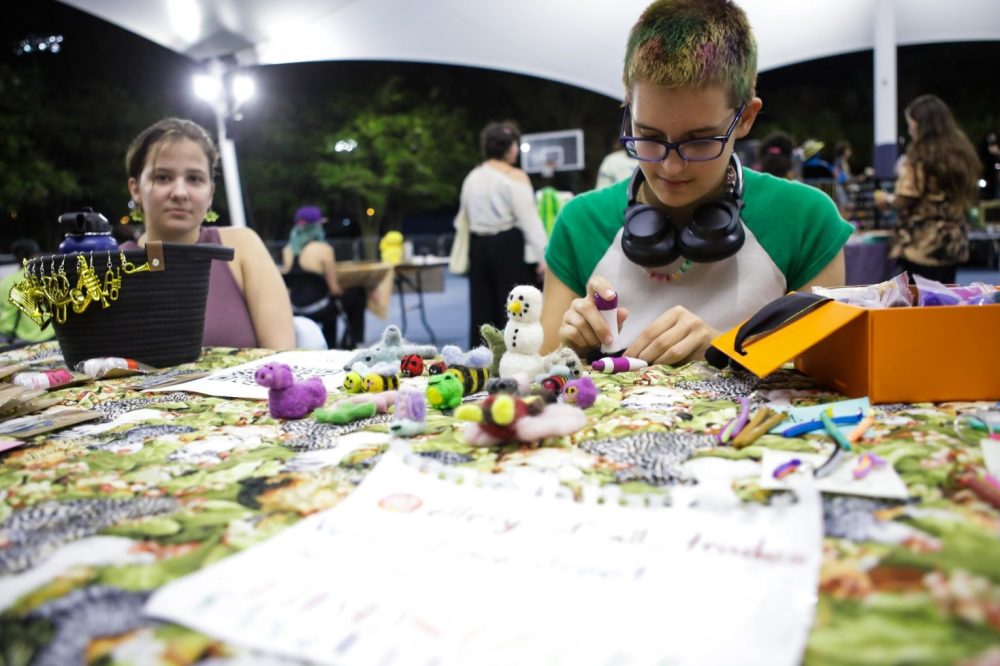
[(693, 243)]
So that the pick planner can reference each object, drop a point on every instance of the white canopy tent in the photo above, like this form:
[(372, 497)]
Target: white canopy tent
[(579, 42)]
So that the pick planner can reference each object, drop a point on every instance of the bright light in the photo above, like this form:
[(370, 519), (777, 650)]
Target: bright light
[(243, 88), (371, 212), (49, 44), (525, 147), (982, 183), (185, 18), (207, 87), (345, 146)]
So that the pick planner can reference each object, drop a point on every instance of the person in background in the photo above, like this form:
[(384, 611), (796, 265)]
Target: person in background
[(775, 155), (690, 77), (171, 166), (616, 166), (14, 326), (936, 188), (814, 167), (308, 252), (506, 237)]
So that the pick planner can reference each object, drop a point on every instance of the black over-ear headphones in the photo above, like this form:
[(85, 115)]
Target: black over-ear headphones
[(714, 233)]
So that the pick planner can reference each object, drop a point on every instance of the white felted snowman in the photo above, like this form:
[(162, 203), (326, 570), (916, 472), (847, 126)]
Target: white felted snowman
[(523, 333)]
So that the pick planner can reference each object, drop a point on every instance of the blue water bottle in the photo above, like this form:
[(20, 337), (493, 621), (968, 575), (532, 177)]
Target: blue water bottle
[(86, 231)]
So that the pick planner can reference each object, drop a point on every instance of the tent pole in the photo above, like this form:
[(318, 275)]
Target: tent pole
[(886, 148)]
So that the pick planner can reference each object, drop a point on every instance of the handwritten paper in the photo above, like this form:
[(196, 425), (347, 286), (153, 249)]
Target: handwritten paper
[(238, 381), (412, 569)]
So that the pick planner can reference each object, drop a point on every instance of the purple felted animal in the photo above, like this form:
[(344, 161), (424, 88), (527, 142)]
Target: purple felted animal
[(286, 398)]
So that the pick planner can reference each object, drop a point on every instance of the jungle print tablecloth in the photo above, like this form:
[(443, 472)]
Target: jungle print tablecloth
[(91, 524)]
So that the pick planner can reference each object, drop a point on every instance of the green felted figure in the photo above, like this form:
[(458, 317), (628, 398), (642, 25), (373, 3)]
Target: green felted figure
[(493, 337), (444, 391), (345, 412)]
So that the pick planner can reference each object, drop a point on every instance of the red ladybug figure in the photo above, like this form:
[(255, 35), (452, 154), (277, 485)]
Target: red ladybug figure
[(437, 368), (412, 366)]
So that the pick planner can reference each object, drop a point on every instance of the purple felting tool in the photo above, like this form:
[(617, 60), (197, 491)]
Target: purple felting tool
[(608, 307), (609, 365)]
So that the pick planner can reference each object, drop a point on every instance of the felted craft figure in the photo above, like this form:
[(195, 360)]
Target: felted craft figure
[(523, 333), (391, 349), (444, 391), (580, 392), (354, 382), (563, 361), (286, 398), (504, 417), (411, 366), (411, 414), (480, 357), (382, 377), (356, 408), (493, 337)]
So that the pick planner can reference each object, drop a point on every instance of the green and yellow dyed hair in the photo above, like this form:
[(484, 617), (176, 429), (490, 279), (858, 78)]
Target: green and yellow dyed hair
[(698, 43)]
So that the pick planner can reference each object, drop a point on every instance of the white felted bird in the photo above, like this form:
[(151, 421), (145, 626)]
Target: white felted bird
[(523, 333)]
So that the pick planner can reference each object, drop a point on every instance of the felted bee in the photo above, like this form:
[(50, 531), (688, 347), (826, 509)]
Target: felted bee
[(376, 383), (412, 366), (473, 379)]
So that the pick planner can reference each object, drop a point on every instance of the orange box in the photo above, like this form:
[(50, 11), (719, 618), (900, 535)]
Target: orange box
[(917, 354)]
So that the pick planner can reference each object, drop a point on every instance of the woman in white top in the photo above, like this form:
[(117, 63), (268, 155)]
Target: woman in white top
[(506, 240)]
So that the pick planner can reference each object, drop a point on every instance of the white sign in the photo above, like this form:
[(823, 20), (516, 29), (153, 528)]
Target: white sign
[(411, 569)]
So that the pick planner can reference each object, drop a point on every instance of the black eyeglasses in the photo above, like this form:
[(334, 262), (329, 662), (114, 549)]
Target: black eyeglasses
[(692, 150)]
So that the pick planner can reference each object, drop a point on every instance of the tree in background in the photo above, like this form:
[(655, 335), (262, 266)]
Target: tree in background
[(401, 154)]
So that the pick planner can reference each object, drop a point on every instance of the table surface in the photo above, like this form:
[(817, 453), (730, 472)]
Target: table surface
[(90, 525)]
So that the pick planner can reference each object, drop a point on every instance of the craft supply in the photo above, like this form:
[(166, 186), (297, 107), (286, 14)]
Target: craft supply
[(831, 428), (866, 463), (43, 380), (785, 469), (608, 309), (734, 426), (111, 366), (858, 433), (762, 421), (817, 424), (832, 463), (613, 365)]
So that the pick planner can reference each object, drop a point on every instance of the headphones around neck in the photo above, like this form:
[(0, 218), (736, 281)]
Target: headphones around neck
[(714, 233)]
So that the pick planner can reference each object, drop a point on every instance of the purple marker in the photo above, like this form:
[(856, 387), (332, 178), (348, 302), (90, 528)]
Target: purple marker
[(608, 307), (609, 365)]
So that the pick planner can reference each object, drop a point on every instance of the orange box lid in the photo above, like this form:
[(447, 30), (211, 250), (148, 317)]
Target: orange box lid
[(767, 353)]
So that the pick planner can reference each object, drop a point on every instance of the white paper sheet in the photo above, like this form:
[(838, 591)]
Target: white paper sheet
[(238, 382), (411, 569), (881, 482)]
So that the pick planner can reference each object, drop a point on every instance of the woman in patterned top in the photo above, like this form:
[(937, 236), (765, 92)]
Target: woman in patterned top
[(934, 192)]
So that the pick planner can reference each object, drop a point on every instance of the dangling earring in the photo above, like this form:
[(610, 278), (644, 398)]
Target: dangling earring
[(211, 216), (135, 213)]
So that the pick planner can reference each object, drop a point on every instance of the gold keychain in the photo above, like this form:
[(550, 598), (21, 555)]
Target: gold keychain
[(129, 267), (112, 280)]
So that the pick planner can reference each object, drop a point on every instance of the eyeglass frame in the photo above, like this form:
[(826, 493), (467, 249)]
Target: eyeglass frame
[(723, 139)]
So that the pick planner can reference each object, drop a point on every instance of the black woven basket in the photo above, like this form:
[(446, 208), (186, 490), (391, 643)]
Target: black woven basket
[(159, 317)]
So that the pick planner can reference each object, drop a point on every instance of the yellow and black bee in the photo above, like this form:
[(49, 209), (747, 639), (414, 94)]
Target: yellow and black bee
[(473, 379), (376, 383)]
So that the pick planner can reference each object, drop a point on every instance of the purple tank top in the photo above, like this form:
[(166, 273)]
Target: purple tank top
[(227, 319)]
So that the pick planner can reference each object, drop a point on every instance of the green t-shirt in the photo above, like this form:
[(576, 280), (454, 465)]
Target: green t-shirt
[(793, 232)]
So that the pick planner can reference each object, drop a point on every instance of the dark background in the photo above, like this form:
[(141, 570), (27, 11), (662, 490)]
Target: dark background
[(66, 120)]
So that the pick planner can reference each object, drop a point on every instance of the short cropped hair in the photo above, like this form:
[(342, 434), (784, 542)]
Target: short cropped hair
[(495, 139), (162, 131), (698, 43)]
